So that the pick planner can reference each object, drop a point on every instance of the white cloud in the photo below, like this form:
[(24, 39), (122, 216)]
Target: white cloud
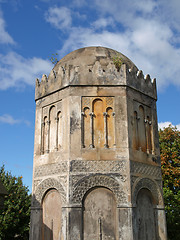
[(5, 38), (140, 30), (103, 23), (15, 70), (163, 125), (8, 119), (59, 17)]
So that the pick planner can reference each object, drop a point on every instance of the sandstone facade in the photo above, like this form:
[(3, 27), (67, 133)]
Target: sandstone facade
[(96, 172)]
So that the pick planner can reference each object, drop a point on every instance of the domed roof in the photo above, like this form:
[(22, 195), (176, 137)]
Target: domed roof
[(94, 66), (89, 55), (89, 66)]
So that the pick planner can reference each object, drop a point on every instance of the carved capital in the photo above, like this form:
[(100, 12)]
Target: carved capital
[(91, 115)]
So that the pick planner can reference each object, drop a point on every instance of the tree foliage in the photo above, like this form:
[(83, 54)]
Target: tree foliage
[(15, 217), (169, 139)]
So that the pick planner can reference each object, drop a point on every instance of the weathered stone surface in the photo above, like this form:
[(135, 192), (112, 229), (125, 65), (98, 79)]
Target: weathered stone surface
[(96, 171)]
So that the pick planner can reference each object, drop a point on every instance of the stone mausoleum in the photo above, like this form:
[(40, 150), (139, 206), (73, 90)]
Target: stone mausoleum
[(96, 173)]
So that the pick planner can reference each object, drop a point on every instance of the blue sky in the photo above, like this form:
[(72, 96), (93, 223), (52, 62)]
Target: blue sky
[(146, 31)]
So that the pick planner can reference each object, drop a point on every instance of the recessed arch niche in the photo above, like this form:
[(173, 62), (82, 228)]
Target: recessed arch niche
[(145, 218), (98, 123), (51, 215), (52, 129), (99, 214)]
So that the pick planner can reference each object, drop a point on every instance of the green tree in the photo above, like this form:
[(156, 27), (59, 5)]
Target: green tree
[(169, 139), (15, 217)]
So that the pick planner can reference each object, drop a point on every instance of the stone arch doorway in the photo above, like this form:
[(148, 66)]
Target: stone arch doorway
[(99, 215), (145, 216), (51, 215)]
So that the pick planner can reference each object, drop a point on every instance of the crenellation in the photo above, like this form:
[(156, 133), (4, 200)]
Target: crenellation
[(68, 75), (44, 78), (140, 74)]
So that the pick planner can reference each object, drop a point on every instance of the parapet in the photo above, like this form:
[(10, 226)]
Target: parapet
[(95, 66)]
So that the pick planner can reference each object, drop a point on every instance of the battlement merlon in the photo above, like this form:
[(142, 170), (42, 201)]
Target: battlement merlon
[(69, 75)]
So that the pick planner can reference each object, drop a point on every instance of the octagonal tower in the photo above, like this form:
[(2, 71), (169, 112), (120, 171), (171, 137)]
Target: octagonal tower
[(97, 172)]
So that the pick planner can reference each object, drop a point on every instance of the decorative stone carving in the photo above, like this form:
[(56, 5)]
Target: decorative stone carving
[(44, 186), (75, 178), (145, 169), (63, 181), (133, 179), (36, 183), (50, 169), (97, 166), (149, 184), (85, 184)]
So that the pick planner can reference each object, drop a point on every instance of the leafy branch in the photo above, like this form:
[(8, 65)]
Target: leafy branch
[(118, 61)]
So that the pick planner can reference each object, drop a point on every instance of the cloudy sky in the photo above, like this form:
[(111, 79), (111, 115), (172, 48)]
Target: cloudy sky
[(146, 31)]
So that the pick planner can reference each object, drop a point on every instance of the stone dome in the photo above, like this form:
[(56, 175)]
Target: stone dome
[(94, 66), (90, 66), (89, 55)]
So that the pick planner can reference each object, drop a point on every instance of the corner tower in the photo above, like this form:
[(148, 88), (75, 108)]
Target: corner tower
[(96, 172)]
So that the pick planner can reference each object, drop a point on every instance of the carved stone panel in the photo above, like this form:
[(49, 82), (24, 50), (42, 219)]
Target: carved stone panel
[(98, 166), (86, 183), (145, 169), (45, 186), (51, 169)]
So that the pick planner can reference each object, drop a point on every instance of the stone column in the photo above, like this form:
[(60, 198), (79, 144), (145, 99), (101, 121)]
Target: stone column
[(125, 223), (161, 224), (92, 130), (75, 223), (105, 130), (36, 223)]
